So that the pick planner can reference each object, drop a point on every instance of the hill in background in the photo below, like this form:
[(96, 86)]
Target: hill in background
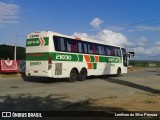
[(7, 52), (144, 63)]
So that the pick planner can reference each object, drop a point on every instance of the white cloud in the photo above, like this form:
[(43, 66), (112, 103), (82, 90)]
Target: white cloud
[(142, 47), (96, 22), (129, 44), (154, 51), (107, 36), (111, 37), (8, 13), (137, 50), (142, 41), (84, 35), (157, 43), (149, 50)]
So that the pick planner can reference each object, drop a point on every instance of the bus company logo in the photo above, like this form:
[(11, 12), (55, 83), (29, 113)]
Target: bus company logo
[(35, 63)]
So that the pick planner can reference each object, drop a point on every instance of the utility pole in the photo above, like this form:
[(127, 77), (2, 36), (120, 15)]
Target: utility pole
[(15, 47)]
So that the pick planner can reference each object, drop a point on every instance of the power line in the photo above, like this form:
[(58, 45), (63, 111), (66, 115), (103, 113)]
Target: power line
[(128, 25), (136, 23)]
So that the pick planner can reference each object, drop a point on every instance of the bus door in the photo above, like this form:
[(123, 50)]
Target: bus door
[(124, 56)]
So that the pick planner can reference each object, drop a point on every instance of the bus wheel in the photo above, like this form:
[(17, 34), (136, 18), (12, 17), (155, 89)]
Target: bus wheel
[(118, 72), (82, 75), (73, 75)]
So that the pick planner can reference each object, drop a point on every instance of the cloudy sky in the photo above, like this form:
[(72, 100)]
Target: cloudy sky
[(134, 24)]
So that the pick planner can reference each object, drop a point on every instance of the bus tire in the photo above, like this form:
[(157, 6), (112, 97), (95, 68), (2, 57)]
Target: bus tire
[(118, 72), (82, 75), (73, 75)]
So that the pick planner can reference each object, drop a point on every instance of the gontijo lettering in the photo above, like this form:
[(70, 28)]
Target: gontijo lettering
[(33, 42)]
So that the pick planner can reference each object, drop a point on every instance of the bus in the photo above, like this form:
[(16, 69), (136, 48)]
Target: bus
[(54, 55)]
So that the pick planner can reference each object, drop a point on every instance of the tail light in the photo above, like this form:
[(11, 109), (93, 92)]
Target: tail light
[(49, 62)]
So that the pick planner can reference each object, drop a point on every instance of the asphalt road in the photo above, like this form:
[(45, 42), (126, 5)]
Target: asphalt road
[(33, 93)]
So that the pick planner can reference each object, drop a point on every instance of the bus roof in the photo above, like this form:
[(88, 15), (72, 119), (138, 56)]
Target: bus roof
[(48, 33)]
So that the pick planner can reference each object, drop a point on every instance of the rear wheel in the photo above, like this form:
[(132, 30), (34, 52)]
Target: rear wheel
[(82, 75), (73, 75)]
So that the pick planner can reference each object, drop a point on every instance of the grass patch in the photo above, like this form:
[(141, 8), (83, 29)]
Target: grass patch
[(6, 75), (150, 102)]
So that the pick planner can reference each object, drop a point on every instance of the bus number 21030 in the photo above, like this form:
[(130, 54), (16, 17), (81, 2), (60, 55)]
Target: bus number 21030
[(63, 57)]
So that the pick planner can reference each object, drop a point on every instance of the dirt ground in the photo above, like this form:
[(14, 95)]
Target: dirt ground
[(128, 102), (138, 102)]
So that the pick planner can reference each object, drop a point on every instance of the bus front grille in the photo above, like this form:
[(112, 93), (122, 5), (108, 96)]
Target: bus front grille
[(58, 68)]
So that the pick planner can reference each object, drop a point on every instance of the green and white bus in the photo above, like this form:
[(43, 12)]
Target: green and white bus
[(54, 55)]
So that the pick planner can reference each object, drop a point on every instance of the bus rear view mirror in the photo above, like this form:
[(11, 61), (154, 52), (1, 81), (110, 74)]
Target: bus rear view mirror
[(130, 54)]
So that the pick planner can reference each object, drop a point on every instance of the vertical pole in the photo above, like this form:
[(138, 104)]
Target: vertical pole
[(15, 50), (15, 47)]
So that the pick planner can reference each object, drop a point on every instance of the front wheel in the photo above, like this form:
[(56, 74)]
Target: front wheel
[(73, 75), (118, 72)]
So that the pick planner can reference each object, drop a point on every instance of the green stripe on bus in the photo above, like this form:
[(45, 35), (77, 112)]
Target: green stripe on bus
[(103, 59), (56, 56), (37, 56), (109, 59), (80, 58)]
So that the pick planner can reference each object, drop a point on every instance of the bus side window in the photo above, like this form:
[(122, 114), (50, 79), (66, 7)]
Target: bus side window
[(85, 47), (62, 44), (80, 47), (68, 46), (57, 43), (89, 48), (118, 51), (103, 50), (112, 51), (107, 50), (94, 49), (73, 46)]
